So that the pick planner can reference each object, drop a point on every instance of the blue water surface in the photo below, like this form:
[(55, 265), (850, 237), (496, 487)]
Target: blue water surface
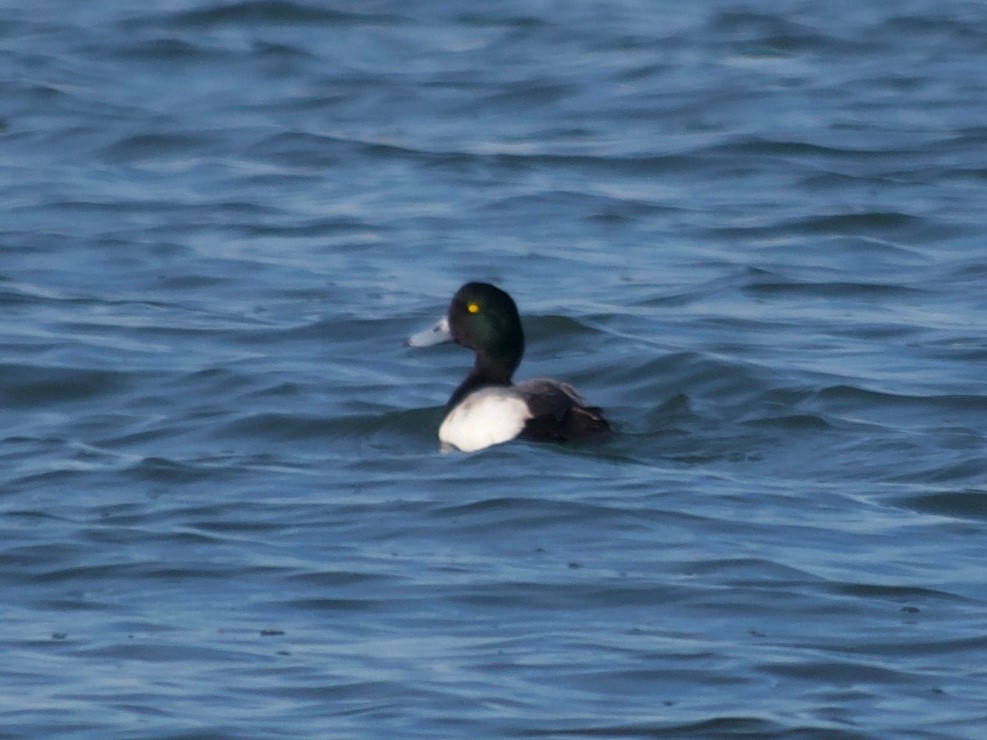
[(752, 232)]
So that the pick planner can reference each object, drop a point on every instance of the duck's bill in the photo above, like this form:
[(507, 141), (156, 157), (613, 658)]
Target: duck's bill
[(435, 335)]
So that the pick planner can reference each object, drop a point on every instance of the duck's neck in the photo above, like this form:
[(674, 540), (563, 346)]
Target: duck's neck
[(484, 373)]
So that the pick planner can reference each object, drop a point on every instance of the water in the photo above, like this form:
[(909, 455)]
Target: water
[(751, 231)]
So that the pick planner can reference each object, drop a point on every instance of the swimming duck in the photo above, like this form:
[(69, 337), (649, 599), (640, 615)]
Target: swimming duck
[(488, 408)]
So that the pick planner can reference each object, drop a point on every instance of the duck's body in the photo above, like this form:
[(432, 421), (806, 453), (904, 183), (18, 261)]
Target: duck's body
[(488, 408)]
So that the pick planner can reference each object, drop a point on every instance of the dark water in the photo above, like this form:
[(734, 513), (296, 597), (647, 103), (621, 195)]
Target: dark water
[(752, 231)]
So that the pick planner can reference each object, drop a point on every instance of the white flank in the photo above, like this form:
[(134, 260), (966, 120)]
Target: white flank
[(485, 417)]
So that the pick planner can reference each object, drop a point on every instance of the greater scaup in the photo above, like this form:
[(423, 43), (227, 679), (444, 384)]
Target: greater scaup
[(487, 408)]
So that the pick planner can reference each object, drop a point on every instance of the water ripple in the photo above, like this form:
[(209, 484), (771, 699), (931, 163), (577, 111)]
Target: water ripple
[(752, 235)]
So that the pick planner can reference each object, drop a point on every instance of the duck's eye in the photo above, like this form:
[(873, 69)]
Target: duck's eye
[(473, 307)]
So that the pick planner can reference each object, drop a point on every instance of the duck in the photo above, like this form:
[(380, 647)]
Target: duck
[(488, 408)]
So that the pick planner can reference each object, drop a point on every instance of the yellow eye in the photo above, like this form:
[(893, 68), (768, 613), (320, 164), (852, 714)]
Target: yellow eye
[(473, 307)]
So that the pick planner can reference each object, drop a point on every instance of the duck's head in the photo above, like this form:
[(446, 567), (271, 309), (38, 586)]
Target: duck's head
[(485, 319)]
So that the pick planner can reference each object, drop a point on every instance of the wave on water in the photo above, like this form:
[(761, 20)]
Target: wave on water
[(752, 234)]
